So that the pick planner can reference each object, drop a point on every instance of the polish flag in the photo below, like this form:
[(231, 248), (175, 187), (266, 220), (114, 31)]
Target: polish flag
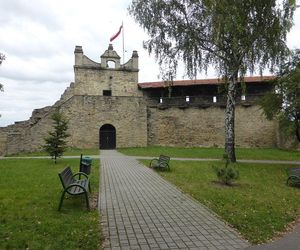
[(117, 34)]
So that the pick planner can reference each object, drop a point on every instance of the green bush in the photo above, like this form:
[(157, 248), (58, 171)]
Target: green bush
[(228, 173)]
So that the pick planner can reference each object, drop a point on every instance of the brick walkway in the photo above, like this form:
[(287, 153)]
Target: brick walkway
[(140, 210)]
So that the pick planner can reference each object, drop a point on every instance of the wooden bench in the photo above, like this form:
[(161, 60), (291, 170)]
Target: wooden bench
[(161, 163), (293, 176), (74, 186)]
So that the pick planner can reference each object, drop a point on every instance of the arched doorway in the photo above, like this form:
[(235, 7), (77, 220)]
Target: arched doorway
[(107, 137)]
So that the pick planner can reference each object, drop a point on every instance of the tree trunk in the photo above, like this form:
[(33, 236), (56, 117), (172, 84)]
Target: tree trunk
[(229, 119), (297, 129)]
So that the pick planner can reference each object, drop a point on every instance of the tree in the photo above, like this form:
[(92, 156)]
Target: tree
[(2, 58), (284, 101), (56, 141), (227, 174), (234, 36)]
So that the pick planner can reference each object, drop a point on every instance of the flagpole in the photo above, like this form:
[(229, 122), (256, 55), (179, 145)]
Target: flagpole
[(123, 43)]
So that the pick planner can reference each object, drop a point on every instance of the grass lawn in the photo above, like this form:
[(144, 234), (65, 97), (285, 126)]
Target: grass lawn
[(69, 152), (30, 191), (259, 206), (241, 153)]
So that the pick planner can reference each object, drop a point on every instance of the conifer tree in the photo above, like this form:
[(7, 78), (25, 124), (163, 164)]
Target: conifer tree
[(55, 143)]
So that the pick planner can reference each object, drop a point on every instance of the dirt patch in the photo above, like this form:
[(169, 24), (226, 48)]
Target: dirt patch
[(94, 200), (220, 184)]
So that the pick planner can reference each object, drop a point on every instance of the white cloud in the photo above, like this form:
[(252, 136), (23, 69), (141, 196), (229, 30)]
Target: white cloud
[(293, 38), (19, 100), (39, 37), (15, 12), (39, 69)]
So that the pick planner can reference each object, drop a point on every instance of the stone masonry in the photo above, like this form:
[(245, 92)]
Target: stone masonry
[(205, 127), (107, 93), (87, 114)]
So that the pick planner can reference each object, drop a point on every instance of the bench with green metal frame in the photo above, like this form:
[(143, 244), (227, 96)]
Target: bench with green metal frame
[(161, 163), (74, 185), (293, 176)]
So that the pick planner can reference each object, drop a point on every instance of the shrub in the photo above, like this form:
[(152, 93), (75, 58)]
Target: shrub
[(228, 173)]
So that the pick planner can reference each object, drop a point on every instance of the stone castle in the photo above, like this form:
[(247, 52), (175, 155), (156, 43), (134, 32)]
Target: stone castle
[(107, 108)]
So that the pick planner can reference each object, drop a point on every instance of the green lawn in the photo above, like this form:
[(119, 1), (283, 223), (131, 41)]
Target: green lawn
[(259, 206), (30, 191), (241, 153), (69, 152)]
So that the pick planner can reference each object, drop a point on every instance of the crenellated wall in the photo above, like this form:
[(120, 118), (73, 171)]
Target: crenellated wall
[(138, 120), (92, 78), (138, 125), (84, 105)]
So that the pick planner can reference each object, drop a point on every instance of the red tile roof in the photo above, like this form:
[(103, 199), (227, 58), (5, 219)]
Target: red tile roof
[(215, 81)]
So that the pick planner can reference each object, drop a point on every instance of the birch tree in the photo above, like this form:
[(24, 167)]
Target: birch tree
[(234, 36)]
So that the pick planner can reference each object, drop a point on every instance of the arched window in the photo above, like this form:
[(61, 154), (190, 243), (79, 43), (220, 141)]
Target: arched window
[(111, 64)]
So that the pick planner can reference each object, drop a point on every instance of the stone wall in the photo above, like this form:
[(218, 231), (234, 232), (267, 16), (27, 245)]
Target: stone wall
[(192, 127), (253, 129), (3, 140), (91, 78), (90, 81), (287, 141), (87, 114), (26, 136), (137, 125), (138, 120), (87, 109)]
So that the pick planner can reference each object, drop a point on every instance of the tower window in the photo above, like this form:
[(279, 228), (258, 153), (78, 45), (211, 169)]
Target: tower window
[(106, 92), (111, 64)]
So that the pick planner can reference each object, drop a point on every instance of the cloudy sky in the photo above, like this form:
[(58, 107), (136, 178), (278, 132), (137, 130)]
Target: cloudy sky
[(38, 38)]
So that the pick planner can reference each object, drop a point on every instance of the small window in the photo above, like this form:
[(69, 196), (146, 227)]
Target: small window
[(106, 92), (111, 64)]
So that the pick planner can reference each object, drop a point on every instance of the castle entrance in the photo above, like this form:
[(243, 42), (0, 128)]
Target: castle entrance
[(107, 137)]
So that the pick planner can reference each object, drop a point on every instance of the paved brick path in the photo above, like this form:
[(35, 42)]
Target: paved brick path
[(140, 210)]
